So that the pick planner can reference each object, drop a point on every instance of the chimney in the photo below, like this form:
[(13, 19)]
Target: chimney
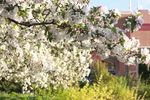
[(139, 6), (130, 5)]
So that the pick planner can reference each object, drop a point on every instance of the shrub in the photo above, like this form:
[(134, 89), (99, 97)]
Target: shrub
[(105, 87)]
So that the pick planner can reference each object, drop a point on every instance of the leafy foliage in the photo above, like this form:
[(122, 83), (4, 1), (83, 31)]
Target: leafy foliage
[(106, 87)]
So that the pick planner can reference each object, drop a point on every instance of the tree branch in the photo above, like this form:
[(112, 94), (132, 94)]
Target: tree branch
[(28, 24)]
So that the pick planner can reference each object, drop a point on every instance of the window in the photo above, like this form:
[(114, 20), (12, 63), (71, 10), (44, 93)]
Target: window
[(113, 65)]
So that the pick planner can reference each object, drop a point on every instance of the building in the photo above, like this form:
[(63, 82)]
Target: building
[(143, 35)]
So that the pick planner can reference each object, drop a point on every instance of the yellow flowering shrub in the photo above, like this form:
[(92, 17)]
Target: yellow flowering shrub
[(88, 92)]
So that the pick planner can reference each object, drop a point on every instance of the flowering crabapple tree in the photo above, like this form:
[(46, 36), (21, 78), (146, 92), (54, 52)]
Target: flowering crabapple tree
[(48, 42)]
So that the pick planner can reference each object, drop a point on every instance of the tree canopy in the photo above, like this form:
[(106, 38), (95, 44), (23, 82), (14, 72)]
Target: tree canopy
[(46, 42)]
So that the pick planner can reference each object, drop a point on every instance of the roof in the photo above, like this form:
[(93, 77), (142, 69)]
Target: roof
[(145, 27)]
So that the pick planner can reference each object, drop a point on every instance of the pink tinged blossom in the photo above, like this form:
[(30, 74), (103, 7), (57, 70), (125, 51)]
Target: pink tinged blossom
[(103, 9), (116, 11)]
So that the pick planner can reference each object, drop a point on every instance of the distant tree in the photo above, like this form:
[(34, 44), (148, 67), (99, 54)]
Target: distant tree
[(144, 72)]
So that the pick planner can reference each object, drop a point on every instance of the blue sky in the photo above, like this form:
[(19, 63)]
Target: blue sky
[(122, 5)]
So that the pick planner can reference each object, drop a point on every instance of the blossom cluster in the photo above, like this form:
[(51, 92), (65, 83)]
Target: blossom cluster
[(30, 58), (48, 42), (134, 22)]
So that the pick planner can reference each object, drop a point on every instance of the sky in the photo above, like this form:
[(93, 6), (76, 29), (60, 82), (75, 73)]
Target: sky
[(121, 5)]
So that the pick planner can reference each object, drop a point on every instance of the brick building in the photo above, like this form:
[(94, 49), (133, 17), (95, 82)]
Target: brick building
[(143, 35)]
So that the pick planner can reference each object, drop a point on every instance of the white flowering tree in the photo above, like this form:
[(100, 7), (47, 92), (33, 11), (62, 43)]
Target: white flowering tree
[(48, 42)]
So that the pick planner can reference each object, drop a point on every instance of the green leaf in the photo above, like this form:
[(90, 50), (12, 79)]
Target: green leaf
[(10, 8), (95, 9), (120, 33), (121, 41), (114, 29), (57, 21), (38, 45), (63, 14), (133, 23), (50, 36), (1, 2), (80, 25), (22, 12), (69, 31), (139, 14), (33, 6), (71, 34)]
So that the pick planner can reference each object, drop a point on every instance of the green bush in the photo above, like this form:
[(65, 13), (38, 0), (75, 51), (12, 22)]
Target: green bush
[(144, 72), (144, 89), (10, 86)]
